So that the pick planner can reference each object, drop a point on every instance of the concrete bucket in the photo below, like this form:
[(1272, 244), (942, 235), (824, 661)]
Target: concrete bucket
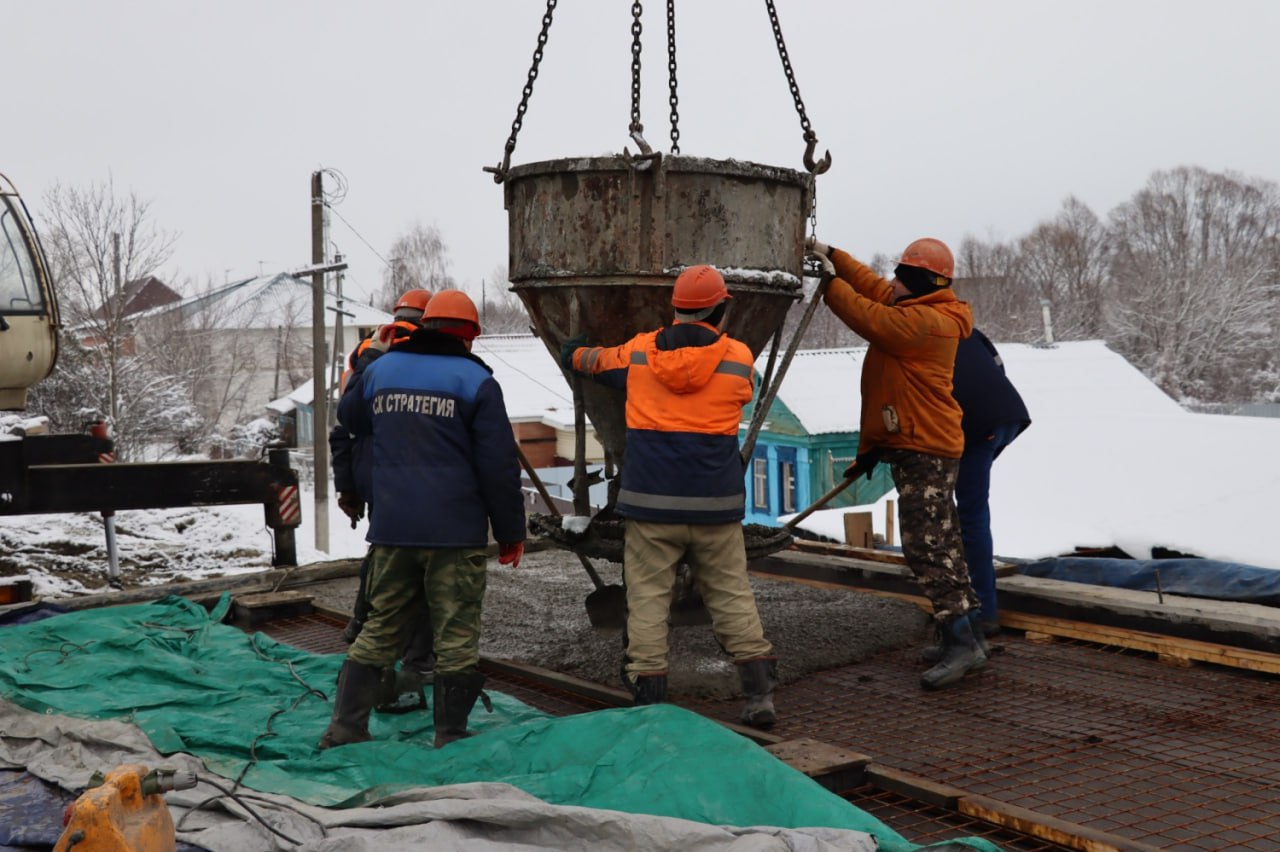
[(596, 245)]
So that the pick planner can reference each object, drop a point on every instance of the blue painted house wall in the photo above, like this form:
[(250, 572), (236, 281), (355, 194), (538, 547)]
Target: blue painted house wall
[(789, 468)]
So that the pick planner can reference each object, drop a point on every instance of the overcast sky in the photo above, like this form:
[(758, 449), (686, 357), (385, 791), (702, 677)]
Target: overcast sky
[(946, 119)]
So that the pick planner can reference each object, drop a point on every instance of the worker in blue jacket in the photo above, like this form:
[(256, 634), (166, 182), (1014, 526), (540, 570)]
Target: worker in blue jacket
[(994, 414), (444, 471)]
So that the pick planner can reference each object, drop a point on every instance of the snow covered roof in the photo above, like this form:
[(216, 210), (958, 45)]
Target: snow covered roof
[(1110, 459), (822, 386), (269, 301), (533, 385)]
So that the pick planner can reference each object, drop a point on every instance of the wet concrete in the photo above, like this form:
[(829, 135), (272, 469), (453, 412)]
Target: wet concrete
[(536, 614)]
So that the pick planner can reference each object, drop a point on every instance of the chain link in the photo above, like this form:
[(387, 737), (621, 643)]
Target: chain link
[(674, 98), (810, 138), (636, 9), (499, 173)]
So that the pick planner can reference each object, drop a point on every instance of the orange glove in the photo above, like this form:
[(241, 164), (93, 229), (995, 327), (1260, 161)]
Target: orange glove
[(509, 554)]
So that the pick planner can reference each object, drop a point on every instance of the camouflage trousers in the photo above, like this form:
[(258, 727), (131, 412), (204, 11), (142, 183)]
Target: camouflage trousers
[(452, 584), (717, 555), (931, 539)]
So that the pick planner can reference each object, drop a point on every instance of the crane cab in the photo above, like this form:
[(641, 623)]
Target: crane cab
[(28, 309)]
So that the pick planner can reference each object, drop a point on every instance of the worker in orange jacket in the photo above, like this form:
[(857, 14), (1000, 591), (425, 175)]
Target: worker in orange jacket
[(682, 492), (913, 325)]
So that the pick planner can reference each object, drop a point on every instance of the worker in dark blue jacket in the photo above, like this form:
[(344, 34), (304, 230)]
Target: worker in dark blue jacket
[(445, 470), (994, 414)]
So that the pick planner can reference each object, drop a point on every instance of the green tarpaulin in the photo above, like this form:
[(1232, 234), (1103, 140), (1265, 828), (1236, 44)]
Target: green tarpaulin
[(252, 708)]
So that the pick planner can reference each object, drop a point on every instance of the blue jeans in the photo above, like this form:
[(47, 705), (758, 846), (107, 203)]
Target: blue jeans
[(973, 488)]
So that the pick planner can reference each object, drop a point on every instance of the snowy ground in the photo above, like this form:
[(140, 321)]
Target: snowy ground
[(66, 554)]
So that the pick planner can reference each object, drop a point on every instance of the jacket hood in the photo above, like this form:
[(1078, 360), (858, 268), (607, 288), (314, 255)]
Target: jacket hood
[(688, 368), (946, 303)]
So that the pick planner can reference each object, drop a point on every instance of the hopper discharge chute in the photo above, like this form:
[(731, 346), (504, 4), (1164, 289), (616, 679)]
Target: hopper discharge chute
[(596, 244)]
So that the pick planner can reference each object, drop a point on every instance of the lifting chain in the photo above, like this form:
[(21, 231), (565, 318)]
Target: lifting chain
[(810, 138), (673, 99), (500, 171), (636, 129)]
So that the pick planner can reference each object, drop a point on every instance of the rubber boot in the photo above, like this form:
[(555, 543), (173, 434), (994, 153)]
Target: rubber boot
[(932, 653), (359, 689), (960, 654), (649, 689), (759, 677), (454, 694), (406, 689)]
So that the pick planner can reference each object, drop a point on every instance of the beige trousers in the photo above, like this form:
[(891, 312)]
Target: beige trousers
[(718, 557)]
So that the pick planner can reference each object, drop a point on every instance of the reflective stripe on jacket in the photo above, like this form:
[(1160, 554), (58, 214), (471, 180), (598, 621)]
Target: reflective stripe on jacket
[(686, 385), (906, 377)]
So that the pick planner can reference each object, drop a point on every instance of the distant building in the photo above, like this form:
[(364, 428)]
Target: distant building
[(810, 437), (257, 340)]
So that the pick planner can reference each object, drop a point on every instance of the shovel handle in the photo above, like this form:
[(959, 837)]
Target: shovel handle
[(850, 476)]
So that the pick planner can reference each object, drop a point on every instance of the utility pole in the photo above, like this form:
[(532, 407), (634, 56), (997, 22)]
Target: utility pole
[(320, 388), (339, 350)]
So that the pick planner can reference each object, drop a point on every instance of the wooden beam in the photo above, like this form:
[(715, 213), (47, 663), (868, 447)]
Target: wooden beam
[(1139, 640)]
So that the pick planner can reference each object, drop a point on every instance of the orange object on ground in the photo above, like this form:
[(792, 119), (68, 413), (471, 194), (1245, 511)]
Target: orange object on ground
[(119, 816)]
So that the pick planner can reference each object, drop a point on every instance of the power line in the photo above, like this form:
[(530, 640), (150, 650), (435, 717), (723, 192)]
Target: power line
[(359, 236)]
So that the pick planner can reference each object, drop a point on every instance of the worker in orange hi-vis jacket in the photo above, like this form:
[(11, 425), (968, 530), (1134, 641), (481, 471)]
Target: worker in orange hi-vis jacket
[(913, 324), (682, 492)]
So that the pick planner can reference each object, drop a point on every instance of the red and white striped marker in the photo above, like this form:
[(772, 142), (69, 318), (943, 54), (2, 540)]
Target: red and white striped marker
[(290, 505)]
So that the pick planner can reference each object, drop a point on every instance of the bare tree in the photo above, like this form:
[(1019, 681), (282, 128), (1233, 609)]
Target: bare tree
[(419, 260), (1064, 263), (989, 277), (501, 309), (1194, 273)]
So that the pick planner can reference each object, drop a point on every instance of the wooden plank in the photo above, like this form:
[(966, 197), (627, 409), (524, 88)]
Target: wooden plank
[(832, 767), (597, 692), (869, 554), (1058, 831), (1138, 640), (858, 530)]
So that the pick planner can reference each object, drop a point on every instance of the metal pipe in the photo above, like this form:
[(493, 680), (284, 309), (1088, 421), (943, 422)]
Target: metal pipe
[(766, 400)]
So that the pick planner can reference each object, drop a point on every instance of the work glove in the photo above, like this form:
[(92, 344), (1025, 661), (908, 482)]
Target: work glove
[(509, 554), (382, 337), (826, 267), (573, 344), (811, 244), (863, 465), (351, 505)]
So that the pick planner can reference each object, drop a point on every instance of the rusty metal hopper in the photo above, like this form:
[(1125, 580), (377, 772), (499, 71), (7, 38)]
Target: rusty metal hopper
[(596, 244)]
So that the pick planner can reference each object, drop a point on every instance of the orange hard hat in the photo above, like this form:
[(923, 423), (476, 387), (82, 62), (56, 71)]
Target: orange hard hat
[(933, 255), (451, 305), (415, 299), (699, 287)]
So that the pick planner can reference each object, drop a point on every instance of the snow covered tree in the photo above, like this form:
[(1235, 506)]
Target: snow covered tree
[(97, 242), (1194, 272)]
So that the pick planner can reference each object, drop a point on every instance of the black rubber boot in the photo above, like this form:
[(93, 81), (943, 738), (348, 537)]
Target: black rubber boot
[(960, 654), (759, 677), (407, 691), (454, 695), (359, 689), (932, 653), (649, 689)]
